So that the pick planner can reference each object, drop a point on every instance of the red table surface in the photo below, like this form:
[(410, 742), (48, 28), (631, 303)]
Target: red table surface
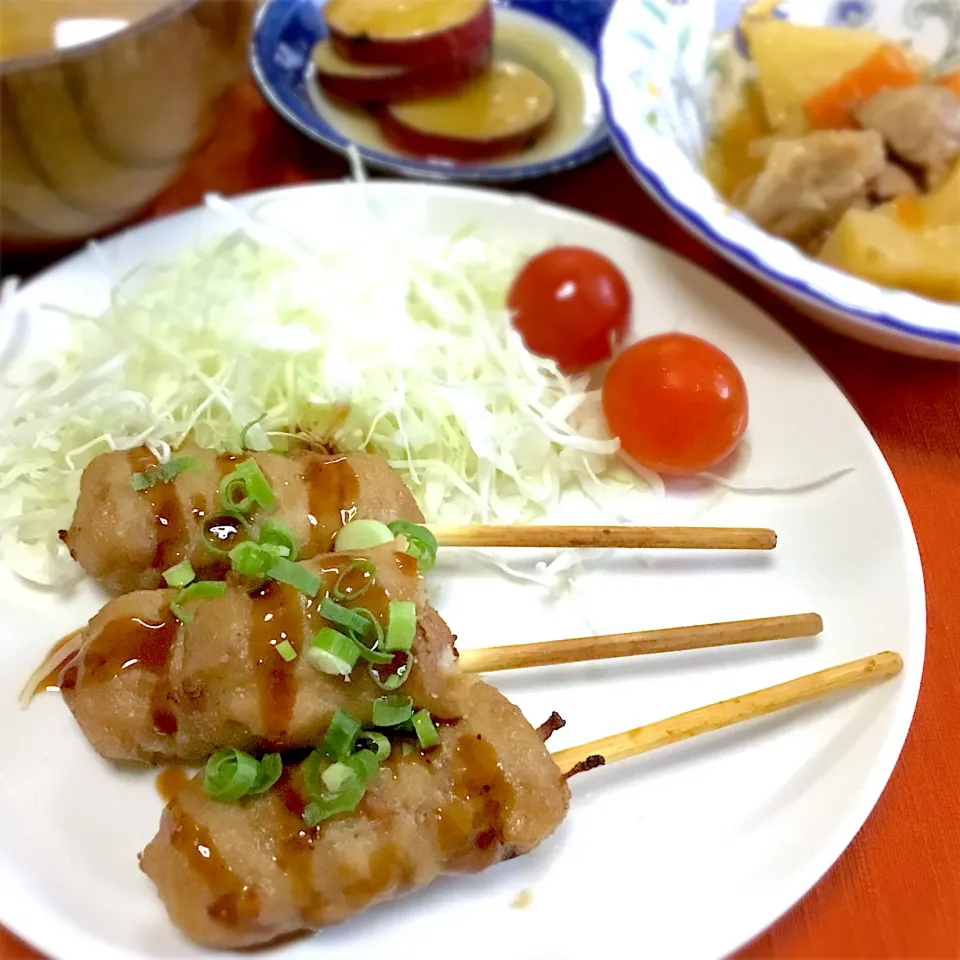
[(896, 891)]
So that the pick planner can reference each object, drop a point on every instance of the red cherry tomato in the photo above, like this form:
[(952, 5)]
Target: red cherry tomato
[(572, 305), (677, 403)]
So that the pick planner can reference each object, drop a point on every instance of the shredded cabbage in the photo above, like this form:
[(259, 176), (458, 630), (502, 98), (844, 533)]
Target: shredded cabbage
[(398, 343)]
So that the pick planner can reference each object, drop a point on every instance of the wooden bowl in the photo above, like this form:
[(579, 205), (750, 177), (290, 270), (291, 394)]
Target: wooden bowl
[(89, 135)]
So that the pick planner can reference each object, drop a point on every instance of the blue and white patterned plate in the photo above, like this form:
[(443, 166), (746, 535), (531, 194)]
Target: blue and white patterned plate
[(557, 38), (661, 66)]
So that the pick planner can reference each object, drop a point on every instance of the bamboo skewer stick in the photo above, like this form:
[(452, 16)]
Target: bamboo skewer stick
[(577, 649), (812, 686), (660, 538), (582, 649)]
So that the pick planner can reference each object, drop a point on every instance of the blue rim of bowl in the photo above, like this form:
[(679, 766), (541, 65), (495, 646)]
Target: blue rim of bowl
[(586, 26), (742, 256)]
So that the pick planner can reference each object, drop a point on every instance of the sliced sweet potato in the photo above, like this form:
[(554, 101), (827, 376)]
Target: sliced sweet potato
[(415, 33), (505, 110)]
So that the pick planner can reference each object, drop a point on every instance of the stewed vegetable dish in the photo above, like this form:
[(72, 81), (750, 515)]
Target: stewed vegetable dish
[(848, 145)]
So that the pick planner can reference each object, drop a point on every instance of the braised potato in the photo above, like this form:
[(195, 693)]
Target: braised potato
[(794, 62), (876, 245), (942, 207)]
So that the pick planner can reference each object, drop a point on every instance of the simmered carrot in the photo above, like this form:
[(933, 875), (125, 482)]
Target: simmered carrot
[(835, 106), (951, 81)]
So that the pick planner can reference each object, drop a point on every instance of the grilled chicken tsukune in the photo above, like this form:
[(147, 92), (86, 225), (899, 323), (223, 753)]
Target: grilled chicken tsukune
[(144, 685), (136, 518), (246, 873)]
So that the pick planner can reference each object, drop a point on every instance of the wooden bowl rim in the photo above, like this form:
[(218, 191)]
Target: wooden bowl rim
[(31, 61)]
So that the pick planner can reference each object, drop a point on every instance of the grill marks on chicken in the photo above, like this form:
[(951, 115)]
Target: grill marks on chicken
[(239, 875), (126, 538), (144, 686)]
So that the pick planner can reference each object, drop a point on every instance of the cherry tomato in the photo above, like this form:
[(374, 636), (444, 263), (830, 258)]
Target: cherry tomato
[(572, 305), (677, 403)]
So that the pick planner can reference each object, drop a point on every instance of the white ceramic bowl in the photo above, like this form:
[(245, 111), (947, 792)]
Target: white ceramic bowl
[(657, 66)]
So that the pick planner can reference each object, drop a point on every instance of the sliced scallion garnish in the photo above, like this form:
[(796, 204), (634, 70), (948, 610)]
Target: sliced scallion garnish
[(421, 543), (391, 711), (424, 728), (342, 590), (337, 776), (401, 625), (278, 534), (362, 535), (287, 651), (341, 735), (233, 493), (396, 679), (162, 472), (180, 574), (296, 575), (380, 744), (345, 618), (333, 652), (254, 559), (270, 768), (332, 804), (230, 774), (364, 764), (198, 590), (257, 486)]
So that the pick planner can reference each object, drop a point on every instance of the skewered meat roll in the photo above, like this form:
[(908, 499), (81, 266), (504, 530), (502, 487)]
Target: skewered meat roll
[(126, 537), (243, 672), (245, 873)]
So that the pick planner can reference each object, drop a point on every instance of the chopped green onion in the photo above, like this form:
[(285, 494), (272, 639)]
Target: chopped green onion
[(369, 571), (362, 535), (337, 776), (255, 559), (425, 730), (421, 543), (296, 575), (325, 807), (333, 652), (271, 766), (233, 493), (381, 745), (401, 625), (398, 677), (180, 574), (392, 711), (371, 653), (249, 560), (364, 764), (344, 617), (163, 473), (341, 735), (230, 774), (287, 651), (406, 749), (373, 625), (279, 534), (198, 590), (257, 486)]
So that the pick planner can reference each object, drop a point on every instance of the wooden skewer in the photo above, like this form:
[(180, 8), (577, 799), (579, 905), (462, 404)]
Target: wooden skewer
[(577, 649), (660, 538), (630, 743)]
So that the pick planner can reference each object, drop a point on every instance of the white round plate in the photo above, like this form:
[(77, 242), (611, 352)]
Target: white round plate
[(686, 853)]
